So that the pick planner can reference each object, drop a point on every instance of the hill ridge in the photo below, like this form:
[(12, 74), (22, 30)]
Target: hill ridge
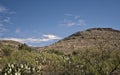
[(107, 29), (87, 39)]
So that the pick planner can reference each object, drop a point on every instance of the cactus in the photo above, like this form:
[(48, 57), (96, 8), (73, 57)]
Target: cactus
[(20, 69)]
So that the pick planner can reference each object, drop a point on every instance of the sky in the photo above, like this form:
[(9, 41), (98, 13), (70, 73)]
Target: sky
[(43, 22)]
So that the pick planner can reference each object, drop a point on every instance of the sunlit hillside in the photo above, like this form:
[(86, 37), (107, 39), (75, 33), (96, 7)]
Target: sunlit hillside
[(91, 52)]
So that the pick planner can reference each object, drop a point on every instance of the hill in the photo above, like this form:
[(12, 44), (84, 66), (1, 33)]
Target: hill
[(93, 38), (8, 46), (94, 51), (9, 43)]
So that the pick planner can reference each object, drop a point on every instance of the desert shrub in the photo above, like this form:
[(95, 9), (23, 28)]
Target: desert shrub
[(55, 52), (20, 56), (85, 62), (75, 52), (24, 47), (6, 51)]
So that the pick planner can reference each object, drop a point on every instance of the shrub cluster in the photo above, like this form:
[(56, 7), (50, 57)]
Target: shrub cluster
[(85, 62)]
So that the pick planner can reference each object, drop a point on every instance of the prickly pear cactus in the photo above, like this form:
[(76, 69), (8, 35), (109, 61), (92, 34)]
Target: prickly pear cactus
[(20, 69)]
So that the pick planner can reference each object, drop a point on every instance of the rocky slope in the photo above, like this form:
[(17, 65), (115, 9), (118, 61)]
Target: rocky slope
[(10, 43), (94, 38)]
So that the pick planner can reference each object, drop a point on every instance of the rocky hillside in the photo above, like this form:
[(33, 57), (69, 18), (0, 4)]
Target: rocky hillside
[(8, 46), (5, 44), (10, 43), (91, 52), (94, 38)]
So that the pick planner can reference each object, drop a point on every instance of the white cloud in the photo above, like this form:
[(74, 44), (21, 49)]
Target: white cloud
[(81, 22), (69, 24), (17, 31), (12, 12), (68, 15), (4, 19), (74, 16), (3, 9), (73, 20), (46, 38), (7, 20), (1, 24), (2, 29), (51, 37)]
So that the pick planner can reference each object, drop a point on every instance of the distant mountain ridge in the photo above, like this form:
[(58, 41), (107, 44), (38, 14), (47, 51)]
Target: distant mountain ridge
[(107, 29), (89, 39)]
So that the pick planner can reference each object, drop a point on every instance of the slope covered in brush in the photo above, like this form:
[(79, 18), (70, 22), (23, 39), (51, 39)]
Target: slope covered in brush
[(93, 38)]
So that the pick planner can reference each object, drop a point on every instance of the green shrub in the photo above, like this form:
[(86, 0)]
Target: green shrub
[(25, 47), (6, 51), (55, 52)]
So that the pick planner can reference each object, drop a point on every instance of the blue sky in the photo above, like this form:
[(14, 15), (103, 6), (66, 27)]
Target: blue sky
[(42, 22)]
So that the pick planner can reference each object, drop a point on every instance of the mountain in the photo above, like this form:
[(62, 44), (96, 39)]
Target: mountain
[(93, 38)]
